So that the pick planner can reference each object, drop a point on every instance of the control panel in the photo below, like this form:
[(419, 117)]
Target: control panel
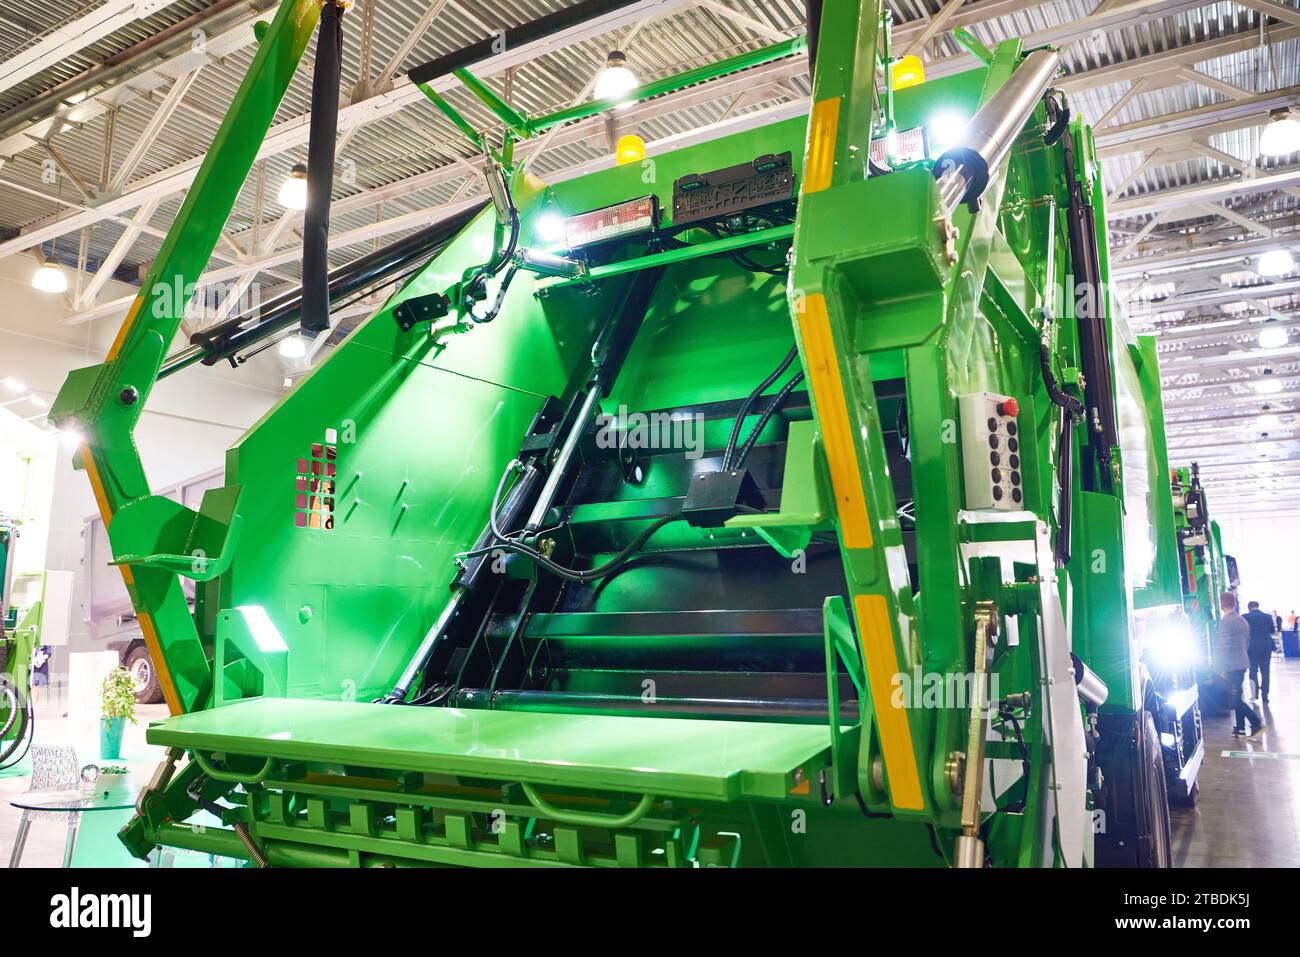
[(990, 451)]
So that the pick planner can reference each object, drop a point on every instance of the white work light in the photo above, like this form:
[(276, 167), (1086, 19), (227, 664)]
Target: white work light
[(293, 191), (616, 79), (49, 278), (1281, 137), (1275, 262)]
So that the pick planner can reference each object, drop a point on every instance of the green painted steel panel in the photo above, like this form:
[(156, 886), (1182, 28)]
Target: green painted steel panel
[(706, 760)]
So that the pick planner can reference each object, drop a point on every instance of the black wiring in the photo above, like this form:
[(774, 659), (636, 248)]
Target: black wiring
[(773, 407), (493, 266), (1017, 806), (748, 405), (504, 541), (742, 259), (866, 811)]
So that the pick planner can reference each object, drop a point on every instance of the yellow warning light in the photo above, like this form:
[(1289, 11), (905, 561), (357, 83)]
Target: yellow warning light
[(629, 149), (907, 71)]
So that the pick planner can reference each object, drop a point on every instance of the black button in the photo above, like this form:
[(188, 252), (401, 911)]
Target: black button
[(994, 458), (1015, 495), (993, 425), (1015, 462), (1013, 445), (1011, 427), (997, 475), (993, 441), (1015, 478), (997, 494)]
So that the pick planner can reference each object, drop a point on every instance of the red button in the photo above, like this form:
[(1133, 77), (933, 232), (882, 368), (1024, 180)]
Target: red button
[(1010, 407)]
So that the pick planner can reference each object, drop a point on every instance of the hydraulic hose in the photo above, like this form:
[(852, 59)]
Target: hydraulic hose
[(320, 169), (748, 405), (507, 542), (771, 410)]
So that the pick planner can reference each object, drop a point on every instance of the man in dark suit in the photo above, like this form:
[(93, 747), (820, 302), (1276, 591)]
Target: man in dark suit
[(1260, 648)]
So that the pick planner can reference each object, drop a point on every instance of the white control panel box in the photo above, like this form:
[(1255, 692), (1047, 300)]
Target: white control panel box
[(990, 451)]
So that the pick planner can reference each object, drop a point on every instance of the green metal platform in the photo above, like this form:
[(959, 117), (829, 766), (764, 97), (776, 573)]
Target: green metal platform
[(667, 757)]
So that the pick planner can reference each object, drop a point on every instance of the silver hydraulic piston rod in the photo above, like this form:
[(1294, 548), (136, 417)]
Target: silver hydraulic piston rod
[(431, 639), (561, 465), (964, 169)]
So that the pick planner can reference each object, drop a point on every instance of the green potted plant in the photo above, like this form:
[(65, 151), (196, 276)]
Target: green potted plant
[(117, 707)]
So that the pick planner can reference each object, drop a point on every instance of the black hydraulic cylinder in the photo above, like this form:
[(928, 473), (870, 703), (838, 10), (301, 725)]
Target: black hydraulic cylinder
[(320, 169), (616, 338), (224, 339), (1090, 311)]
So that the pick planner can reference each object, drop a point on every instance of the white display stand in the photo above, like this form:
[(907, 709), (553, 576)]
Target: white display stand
[(56, 616), (86, 671)]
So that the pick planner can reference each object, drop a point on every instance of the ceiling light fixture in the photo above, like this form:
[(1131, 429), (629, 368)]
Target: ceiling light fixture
[(293, 191), (293, 347), (1275, 262), (616, 79), (49, 277), (1273, 337), (1281, 137)]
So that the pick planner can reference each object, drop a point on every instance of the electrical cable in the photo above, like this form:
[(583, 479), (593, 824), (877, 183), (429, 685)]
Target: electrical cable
[(500, 299), (866, 811), (749, 404), (584, 576), (773, 407), (494, 265), (740, 258), (509, 543)]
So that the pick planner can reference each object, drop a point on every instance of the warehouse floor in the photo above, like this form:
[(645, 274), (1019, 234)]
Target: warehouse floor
[(1248, 814)]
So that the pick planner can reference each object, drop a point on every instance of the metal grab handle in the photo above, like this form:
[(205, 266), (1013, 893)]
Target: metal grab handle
[(586, 819), (229, 777)]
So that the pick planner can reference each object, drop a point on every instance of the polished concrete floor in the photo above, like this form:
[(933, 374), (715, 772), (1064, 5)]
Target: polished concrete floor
[(47, 838), (1248, 814)]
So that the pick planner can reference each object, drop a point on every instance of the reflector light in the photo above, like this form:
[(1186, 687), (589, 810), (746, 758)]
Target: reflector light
[(905, 146), (612, 222)]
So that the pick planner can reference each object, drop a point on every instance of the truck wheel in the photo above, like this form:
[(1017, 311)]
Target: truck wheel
[(147, 688), (1135, 829)]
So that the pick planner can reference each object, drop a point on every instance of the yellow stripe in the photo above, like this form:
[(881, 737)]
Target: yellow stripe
[(143, 619), (877, 637), (823, 130), (126, 326), (833, 416)]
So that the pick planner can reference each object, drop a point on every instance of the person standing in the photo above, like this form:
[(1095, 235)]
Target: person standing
[(1230, 655), (1259, 650)]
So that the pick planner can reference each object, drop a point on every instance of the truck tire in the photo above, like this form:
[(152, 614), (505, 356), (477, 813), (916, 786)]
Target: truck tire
[(148, 690), (1135, 827)]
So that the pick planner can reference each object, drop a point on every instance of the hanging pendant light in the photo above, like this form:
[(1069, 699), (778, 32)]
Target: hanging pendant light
[(293, 191)]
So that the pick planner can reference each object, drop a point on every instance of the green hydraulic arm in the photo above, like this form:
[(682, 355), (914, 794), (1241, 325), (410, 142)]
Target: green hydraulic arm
[(844, 97), (151, 541)]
